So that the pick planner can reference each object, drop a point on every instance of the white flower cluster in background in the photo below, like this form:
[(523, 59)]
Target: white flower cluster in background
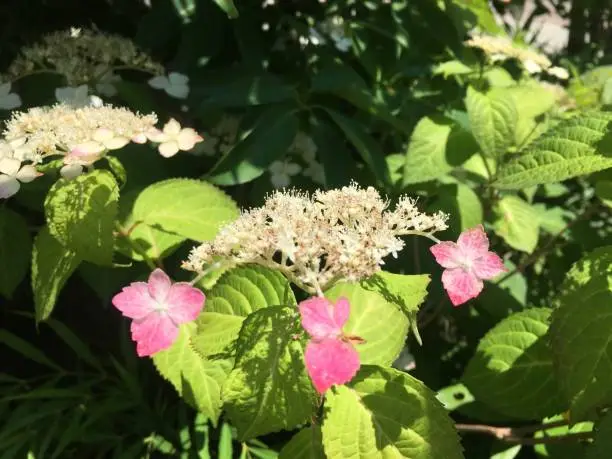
[(501, 48), (332, 27), (282, 171), (317, 240)]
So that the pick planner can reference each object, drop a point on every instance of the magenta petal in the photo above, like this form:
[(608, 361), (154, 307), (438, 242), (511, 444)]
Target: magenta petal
[(159, 285), (488, 266), (318, 317), (330, 362), (342, 310), (473, 242), (134, 300), (447, 254), (184, 302), (461, 285), (154, 333)]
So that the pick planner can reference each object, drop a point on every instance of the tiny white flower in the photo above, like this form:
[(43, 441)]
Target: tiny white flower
[(316, 172), (174, 138), (71, 171), (95, 101), (75, 96), (558, 72), (106, 84), (8, 100), (531, 66), (305, 146), (75, 32), (175, 84), (281, 173), (12, 174)]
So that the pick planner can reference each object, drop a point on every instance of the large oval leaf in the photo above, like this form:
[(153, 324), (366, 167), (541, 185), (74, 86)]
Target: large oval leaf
[(512, 370), (197, 379), (236, 294), (52, 265), (189, 208), (385, 413), (81, 215), (268, 389), (577, 146), (581, 333)]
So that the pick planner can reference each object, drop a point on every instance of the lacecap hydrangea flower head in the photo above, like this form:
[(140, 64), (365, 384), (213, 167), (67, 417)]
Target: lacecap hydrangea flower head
[(83, 135), (315, 241)]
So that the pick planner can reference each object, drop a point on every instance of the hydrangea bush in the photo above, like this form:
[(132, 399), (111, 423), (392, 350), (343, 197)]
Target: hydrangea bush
[(352, 230)]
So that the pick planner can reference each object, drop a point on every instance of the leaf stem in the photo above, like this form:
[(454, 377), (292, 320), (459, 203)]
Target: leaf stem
[(134, 245)]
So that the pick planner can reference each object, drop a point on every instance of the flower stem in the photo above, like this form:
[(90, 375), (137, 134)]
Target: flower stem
[(134, 245)]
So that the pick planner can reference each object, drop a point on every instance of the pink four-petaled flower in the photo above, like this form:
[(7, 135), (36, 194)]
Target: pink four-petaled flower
[(330, 355), (468, 262), (157, 308)]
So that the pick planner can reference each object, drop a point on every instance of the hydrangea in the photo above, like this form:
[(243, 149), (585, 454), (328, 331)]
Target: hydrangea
[(157, 308), (467, 263), (175, 84), (173, 138)]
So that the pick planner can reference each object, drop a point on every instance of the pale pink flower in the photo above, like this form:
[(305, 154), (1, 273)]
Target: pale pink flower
[(174, 138), (13, 174), (157, 308), (468, 262), (330, 355)]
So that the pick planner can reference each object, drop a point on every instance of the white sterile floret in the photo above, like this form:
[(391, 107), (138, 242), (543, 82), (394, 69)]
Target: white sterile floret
[(12, 174), (173, 138), (175, 84), (317, 240), (8, 99), (281, 173)]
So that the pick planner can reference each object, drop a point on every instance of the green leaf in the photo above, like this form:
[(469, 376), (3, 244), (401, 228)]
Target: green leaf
[(376, 319), (306, 444), (493, 120), (559, 449), (246, 289), (577, 146), (581, 333), (452, 68), (268, 141), (601, 447), (462, 205), (15, 250), (216, 332), (436, 147), (386, 413), (239, 87), (190, 208), (117, 169), (26, 349), (341, 80), (512, 370), (455, 396), (197, 380), (144, 240), (229, 8), (603, 190), (517, 222), (52, 265), (268, 389), (81, 215), (365, 145)]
